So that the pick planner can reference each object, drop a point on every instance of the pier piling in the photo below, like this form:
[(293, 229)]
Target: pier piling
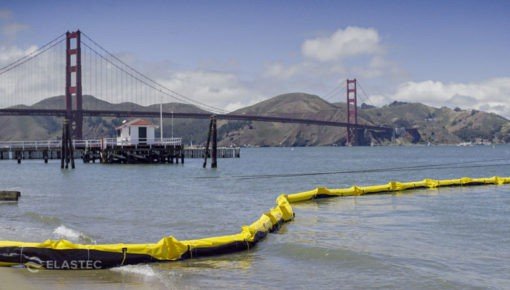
[(214, 162), (206, 152)]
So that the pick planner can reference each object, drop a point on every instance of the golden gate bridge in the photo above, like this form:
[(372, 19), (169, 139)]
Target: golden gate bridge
[(76, 65)]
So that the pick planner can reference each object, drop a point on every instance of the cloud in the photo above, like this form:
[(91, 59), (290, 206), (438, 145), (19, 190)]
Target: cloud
[(379, 67), (376, 100), (459, 100), (305, 69), (282, 71), (217, 89), (491, 95), (12, 29), (32, 81), (352, 52), (9, 54), (348, 42)]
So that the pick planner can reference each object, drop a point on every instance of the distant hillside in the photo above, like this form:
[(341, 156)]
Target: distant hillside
[(276, 134), (41, 128), (435, 125), (442, 125)]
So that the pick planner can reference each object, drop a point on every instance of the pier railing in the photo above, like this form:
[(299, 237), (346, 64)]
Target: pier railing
[(81, 144), (41, 144), (147, 141)]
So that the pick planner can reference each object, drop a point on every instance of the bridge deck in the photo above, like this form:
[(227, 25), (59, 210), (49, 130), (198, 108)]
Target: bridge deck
[(149, 114)]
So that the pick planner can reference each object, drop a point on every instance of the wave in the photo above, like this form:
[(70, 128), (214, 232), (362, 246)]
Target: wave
[(45, 219), (142, 270), (72, 235)]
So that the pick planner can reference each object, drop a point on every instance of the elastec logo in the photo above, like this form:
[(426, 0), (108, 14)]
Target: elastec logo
[(33, 267), (64, 265)]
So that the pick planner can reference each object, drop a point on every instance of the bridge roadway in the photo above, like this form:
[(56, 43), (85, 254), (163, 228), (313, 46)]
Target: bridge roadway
[(153, 114)]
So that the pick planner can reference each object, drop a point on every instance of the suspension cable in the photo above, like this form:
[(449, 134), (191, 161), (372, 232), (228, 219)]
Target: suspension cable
[(133, 76), (161, 87), (32, 55), (367, 97), (333, 92)]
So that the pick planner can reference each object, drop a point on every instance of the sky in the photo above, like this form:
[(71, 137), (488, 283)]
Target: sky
[(235, 53)]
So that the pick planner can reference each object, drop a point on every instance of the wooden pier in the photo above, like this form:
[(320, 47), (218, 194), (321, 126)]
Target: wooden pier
[(108, 150), (223, 152), (168, 150), (9, 195)]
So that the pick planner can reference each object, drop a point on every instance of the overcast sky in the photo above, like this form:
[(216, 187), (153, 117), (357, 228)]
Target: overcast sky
[(235, 53)]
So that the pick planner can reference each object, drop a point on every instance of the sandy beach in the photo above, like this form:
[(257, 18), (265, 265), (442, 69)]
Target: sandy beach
[(13, 278)]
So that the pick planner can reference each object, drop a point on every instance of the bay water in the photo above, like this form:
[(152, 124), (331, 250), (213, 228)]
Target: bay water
[(456, 238)]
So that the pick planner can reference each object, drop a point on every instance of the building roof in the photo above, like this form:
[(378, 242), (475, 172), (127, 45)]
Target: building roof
[(137, 122)]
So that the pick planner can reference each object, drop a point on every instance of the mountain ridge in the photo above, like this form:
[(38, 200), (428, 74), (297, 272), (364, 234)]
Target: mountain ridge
[(435, 125)]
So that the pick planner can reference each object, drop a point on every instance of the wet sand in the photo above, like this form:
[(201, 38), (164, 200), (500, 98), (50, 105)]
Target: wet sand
[(12, 278), (22, 279)]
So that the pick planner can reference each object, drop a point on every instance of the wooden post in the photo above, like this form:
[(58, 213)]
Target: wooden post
[(67, 146), (206, 153), (71, 150), (214, 163), (63, 146)]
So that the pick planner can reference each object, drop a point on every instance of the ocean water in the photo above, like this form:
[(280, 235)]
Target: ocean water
[(455, 238)]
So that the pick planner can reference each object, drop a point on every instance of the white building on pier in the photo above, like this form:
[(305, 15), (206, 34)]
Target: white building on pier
[(136, 132)]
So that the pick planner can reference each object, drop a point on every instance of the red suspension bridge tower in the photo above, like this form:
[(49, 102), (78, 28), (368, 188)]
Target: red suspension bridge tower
[(73, 122), (73, 82), (352, 111)]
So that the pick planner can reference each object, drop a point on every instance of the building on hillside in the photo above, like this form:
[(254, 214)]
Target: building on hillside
[(136, 132)]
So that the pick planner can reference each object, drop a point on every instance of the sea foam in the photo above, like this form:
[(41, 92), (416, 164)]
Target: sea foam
[(142, 270), (72, 235)]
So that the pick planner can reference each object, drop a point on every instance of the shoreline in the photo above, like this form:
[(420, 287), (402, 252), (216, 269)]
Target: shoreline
[(12, 279)]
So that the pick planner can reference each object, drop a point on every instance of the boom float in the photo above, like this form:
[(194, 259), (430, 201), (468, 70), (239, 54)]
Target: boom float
[(63, 254)]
